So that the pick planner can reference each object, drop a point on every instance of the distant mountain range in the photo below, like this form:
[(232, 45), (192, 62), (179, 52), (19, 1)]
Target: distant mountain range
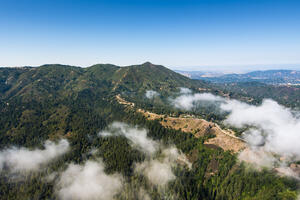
[(274, 77)]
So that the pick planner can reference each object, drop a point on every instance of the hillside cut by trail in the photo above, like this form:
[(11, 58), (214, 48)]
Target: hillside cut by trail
[(224, 139)]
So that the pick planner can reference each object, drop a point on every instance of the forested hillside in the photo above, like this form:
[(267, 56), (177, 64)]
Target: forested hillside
[(75, 105), (285, 95)]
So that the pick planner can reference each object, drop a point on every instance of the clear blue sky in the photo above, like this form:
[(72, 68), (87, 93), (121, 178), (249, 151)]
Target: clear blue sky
[(175, 33)]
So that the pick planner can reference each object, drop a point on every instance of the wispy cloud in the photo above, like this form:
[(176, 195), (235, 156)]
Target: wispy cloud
[(88, 182), (159, 170), (185, 90), (275, 128), (188, 101), (150, 94), (137, 137), (158, 166), (23, 159)]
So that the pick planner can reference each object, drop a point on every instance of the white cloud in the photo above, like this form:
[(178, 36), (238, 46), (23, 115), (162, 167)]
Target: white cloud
[(137, 137), (185, 90), (254, 137), (258, 157), (159, 173), (287, 171), (88, 182), (143, 195), (188, 101), (23, 159), (276, 129), (157, 168), (150, 94)]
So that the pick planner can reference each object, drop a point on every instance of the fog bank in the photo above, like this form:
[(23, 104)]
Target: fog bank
[(275, 129)]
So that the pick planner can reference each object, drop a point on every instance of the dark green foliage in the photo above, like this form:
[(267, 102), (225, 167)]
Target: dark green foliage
[(54, 101), (256, 92)]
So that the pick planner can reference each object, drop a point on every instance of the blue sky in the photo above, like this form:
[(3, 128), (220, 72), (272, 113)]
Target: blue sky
[(185, 34)]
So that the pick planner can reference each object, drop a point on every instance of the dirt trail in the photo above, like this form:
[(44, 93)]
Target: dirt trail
[(224, 139), (123, 102), (118, 83)]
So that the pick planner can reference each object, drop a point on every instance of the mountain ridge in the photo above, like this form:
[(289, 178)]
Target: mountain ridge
[(128, 78), (55, 102)]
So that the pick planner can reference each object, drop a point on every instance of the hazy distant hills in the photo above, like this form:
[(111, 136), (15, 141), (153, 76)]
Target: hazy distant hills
[(199, 74), (285, 77)]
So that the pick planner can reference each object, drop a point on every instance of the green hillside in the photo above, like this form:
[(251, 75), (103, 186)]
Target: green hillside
[(54, 102), (61, 79)]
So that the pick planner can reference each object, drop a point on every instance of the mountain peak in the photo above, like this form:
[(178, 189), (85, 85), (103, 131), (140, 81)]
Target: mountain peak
[(148, 63)]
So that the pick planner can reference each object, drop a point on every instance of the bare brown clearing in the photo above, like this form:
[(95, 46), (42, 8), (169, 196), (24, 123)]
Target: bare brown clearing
[(224, 139)]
